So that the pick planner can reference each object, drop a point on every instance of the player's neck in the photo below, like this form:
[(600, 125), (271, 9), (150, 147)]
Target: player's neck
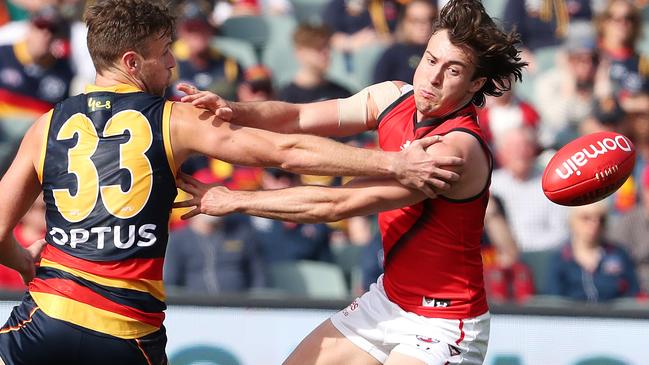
[(114, 77)]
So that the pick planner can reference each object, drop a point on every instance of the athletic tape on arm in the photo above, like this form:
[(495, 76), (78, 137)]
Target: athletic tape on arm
[(353, 110)]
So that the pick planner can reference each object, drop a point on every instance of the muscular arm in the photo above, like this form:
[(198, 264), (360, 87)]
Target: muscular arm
[(325, 204), (330, 118), (197, 131), (20, 187), (311, 204)]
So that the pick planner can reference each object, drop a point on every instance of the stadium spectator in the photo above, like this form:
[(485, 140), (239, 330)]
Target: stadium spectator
[(544, 23), (214, 255), (631, 231), (199, 63), (359, 23), (537, 223), (565, 93), (225, 9), (505, 112), (636, 127), (589, 268), (256, 85), (619, 28), (399, 61), (286, 241), (606, 115), (35, 71), (506, 277), (312, 51)]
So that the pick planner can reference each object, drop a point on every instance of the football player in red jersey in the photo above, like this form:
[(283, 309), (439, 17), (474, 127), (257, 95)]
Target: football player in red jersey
[(429, 307), (106, 162)]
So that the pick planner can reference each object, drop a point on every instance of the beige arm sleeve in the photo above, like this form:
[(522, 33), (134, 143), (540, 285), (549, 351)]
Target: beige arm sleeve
[(354, 110)]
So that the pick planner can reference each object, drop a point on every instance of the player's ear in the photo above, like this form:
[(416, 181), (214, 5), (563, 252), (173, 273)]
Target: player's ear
[(131, 62), (477, 84)]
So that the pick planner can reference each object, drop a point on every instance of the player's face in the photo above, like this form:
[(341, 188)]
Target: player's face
[(443, 81), (156, 68)]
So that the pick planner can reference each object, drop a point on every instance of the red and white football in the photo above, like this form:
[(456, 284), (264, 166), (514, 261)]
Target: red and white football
[(588, 169)]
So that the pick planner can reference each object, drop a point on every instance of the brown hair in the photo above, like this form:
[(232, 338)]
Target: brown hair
[(311, 36), (635, 18), (118, 26), (497, 57)]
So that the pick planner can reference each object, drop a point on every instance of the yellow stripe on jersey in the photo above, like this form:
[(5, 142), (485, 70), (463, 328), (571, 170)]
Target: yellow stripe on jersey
[(46, 132), (153, 287), (87, 316), (166, 135)]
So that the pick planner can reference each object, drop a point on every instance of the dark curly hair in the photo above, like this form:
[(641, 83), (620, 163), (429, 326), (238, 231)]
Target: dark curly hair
[(497, 58), (118, 26)]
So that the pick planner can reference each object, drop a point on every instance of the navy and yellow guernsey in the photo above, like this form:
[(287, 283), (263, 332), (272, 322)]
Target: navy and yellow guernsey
[(107, 172)]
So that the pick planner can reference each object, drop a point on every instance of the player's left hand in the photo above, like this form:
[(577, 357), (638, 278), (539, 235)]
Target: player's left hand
[(206, 100), (423, 171), (32, 256), (213, 200)]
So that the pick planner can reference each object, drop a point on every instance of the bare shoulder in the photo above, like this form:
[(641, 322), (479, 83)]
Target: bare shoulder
[(186, 113), (464, 141), (474, 173), (458, 144), (192, 130)]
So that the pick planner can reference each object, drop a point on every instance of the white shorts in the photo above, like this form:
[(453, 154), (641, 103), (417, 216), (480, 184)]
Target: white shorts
[(379, 326)]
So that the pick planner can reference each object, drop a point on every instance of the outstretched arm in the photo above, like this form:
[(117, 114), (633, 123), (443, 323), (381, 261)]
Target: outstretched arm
[(304, 204), (319, 204), (20, 187), (197, 131), (329, 118)]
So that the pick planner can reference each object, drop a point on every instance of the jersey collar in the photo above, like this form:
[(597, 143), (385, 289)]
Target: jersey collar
[(467, 109), (119, 88)]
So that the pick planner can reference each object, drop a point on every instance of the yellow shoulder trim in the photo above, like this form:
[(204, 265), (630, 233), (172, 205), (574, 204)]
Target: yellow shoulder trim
[(166, 135), (118, 88), (87, 316), (46, 133)]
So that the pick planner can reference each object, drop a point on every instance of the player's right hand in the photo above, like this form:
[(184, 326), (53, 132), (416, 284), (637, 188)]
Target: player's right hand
[(427, 172), (205, 100)]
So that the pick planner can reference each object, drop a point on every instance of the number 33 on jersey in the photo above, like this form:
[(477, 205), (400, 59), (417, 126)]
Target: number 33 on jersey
[(107, 174)]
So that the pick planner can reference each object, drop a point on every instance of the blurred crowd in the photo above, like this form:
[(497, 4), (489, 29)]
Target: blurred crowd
[(587, 72)]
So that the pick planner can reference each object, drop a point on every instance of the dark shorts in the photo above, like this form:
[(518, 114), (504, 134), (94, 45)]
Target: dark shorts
[(30, 337)]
